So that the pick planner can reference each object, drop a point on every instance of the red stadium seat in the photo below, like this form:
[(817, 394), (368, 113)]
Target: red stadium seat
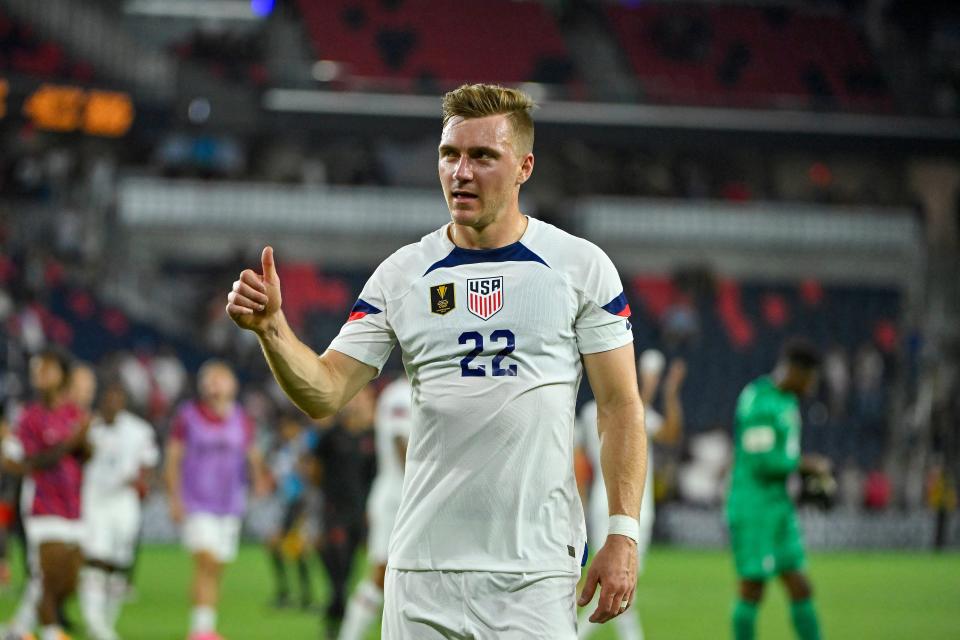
[(748, 57), (439, 41)]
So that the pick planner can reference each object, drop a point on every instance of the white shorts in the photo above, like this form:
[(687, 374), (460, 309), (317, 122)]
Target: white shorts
[(215, 534), (382, 507), (111, 530), (474, 604), (40, 529)]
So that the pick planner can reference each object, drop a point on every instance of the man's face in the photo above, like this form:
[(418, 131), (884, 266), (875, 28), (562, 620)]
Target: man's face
[(809, 380), (83, 386), (45, 374), (113, 401), (480, 171), (289, 429), (217, 385)]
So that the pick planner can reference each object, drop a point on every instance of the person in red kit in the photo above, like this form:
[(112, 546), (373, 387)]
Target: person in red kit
[(49, 447)]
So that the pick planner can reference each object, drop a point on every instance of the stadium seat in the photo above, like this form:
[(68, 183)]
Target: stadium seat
[(748, 57), (23, 52), (439, 43)]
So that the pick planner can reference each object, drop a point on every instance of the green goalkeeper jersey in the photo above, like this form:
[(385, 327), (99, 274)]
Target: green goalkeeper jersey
[(767, 447)]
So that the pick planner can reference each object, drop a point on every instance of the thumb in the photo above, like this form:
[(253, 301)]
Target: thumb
[(266, 262), (589, 588)]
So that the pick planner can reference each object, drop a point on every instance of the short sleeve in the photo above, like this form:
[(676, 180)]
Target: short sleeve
[(179, 429), (28, 433), (602, 322), (367, 335), (149, 453), (12, 448)]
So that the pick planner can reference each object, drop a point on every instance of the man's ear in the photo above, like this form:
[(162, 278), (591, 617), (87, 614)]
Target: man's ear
[(526, 169)]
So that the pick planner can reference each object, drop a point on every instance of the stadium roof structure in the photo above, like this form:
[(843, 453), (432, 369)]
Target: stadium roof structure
[(713, 119)]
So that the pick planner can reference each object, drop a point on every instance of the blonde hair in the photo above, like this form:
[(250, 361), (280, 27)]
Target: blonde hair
[(482, 100)]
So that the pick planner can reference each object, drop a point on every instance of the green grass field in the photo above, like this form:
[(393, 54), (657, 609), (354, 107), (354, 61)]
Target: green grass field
[(684, 594)]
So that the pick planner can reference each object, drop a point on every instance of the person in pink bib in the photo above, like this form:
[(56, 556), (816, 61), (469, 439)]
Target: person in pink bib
[(211, 459)]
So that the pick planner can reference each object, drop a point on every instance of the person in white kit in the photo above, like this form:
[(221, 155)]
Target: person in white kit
[(494, 314), (392, 431), (663, 428), (124, 450)]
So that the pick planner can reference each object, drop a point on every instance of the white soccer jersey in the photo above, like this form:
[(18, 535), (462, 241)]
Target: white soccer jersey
[(392, 422), (120, 450), (491, 343), (598, 506)]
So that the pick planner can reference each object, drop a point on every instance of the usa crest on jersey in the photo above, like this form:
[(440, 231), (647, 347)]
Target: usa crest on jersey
[(485, 296)]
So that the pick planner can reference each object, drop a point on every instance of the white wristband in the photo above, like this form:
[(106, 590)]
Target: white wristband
[(622, 525)]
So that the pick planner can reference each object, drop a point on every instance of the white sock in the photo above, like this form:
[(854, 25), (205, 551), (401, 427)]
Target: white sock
[(628, 625), (51, 632), (25, 619), (364, 607), (116, 595), (203, 620), (93, 602)]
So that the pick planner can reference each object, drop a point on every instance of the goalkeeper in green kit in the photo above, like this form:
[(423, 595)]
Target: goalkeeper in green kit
[(764, 534)]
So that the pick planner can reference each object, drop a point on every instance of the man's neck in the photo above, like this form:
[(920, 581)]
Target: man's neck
[(781, 379), (218, 408), (51, 399), (508, 229)]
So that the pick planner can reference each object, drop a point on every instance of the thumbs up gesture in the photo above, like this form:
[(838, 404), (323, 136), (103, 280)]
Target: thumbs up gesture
[(255, 298)]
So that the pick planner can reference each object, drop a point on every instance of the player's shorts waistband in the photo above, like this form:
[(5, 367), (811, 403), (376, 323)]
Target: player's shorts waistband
[(40, 529)]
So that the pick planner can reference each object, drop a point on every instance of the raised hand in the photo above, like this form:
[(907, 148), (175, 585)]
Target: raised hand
[(675, 375), (255, 298)]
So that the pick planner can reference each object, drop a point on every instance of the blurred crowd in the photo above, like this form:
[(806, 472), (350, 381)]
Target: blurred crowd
[(52, 260)]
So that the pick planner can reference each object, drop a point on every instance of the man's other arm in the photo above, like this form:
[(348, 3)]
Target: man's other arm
[(623, 461), (765, 449)]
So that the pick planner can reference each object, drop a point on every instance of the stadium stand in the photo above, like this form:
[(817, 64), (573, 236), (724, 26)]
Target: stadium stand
[(729, 331), (232, 56), (441, 43), (748, 57), (23, 52)]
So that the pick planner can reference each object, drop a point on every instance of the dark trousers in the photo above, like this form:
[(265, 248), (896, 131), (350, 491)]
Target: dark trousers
[(337, 547)]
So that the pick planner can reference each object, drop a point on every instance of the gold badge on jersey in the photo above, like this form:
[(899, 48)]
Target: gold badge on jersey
[(442, 299)]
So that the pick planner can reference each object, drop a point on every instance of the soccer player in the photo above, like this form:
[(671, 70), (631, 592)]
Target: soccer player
[(494, 313), (285, 463), (392, 427), (83, 385), (210, 455), (764, 533), (665, 429), (124, 451), (344, 455), (49, 448)]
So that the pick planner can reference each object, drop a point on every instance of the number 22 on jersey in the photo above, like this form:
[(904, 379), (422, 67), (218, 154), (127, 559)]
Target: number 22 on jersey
[(470, 370)]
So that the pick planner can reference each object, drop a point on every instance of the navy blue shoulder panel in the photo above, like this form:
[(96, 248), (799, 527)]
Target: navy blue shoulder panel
[(515, 252)]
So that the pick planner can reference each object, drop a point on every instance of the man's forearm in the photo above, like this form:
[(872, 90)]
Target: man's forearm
[(672, 419), (171, 470), (776, 464), (623, 456), (298, 370), (48, 457)]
